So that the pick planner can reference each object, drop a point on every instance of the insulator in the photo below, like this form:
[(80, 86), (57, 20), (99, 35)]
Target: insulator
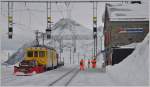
[(94, 19), (48, 36), (10, 29), (10, 32), (49, 19), (95, 35), (48, 32), (74, 50), (94, 29), (94, 22), (133, 2), (10, 36), (10, 24), (94, 25), (10, 19)]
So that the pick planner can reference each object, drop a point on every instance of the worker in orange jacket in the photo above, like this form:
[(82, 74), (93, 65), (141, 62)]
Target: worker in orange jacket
[(93, 63), (81, 64)]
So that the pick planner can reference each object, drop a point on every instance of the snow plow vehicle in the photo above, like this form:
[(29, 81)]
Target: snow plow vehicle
[(38, 60)]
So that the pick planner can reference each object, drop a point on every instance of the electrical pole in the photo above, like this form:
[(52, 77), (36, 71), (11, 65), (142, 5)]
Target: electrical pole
[(70, 55), (92, 53), (63, 60), (43, 38), (8, 55), (36, 37), (95, 28), (60, 49), (1, 8), (73, 57), (10, 20), (84, 56), (49, 20), (78, 58)]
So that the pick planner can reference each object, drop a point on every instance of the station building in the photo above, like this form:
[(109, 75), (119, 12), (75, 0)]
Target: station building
[(124, 24)]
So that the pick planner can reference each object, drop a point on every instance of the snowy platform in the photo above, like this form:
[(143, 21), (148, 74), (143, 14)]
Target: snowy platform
[(88, 77)]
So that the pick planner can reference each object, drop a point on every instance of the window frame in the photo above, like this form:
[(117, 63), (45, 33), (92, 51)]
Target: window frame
[(30, 54), (43, 53), (37, 55)]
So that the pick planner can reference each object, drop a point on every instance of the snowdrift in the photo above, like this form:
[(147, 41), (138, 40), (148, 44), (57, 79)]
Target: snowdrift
[(134, 69), (18, 55), (4, 55)]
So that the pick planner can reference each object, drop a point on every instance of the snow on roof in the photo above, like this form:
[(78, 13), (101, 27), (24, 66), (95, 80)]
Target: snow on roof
[(128, 12)]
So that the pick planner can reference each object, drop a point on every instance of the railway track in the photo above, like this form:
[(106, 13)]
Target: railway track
[(66, 78)]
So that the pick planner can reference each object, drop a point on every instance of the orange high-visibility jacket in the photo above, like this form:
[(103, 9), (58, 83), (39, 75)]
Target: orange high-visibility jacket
[(93, 61), (81, 62)]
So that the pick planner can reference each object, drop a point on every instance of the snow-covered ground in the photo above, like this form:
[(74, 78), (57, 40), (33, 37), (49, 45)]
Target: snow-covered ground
[(134, 69), (44, 79), (131, 71)]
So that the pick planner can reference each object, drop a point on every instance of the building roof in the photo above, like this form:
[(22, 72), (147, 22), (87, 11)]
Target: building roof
[(128, 12)]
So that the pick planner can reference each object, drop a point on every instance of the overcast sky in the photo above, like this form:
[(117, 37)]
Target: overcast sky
[(30, 17)]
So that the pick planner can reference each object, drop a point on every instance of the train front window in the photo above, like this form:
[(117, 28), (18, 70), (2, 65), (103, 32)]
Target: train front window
[(41, 53), (30, 54), (35, 53)]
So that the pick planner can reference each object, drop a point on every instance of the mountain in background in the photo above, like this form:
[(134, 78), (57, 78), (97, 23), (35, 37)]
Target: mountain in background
[(73, 37)]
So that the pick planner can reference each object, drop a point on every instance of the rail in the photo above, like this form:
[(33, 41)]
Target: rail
[(64, 75)]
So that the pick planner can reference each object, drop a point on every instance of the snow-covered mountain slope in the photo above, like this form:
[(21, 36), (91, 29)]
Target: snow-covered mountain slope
[(67, 26), (15, 56), (134, 69), (4, 54), (68, 29)]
